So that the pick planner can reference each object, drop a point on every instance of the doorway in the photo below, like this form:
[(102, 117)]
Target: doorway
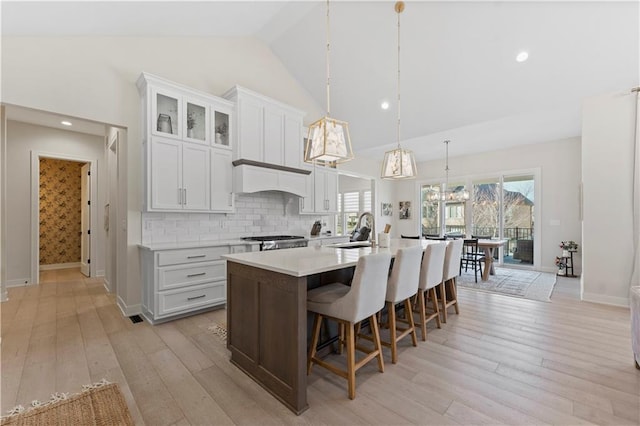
[(62, 213)]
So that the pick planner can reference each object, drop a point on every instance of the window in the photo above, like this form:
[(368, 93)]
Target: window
[(350, 206)]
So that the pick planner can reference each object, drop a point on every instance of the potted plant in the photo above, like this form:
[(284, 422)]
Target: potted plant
[(191, 122), (221, 133), (560, 263), (568, 246)]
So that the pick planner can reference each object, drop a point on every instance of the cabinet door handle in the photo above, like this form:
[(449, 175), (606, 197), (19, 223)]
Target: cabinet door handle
[(231, 199), (302, 203), (196, 256), (196, 297), (179, 195), (196, 275), (185, 196)]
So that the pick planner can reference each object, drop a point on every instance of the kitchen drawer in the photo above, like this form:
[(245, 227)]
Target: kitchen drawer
[(205, 254), (188, 299), (172, 277)]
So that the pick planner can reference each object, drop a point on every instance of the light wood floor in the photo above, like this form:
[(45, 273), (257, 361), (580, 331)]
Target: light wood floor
[(502, 361)]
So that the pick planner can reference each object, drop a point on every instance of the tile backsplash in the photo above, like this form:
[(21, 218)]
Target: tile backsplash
[(262, 213)]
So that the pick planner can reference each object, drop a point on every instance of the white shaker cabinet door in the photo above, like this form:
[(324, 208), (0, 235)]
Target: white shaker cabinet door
[(196, 169), (273, 136), (331, 191), (293, 141), (221, 183), (166, 174), (307, 203), (250, 129)]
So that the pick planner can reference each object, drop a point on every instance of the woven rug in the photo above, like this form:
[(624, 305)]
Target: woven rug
[(98, 404), (526, 284)]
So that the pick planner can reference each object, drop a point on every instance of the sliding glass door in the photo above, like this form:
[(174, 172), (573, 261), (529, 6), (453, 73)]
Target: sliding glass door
[(501, 207)]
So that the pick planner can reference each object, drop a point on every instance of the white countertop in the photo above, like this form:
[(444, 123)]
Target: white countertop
[(195, 244), (325, 237), (303, 261)]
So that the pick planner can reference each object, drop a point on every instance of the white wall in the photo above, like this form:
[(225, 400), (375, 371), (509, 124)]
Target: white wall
[(22, 139), (94, 78), (607, 178), (3, 215), (559, 162)]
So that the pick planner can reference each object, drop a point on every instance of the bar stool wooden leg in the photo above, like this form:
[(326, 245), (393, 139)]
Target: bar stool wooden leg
[(454, 294), (423, 314), (351, 361), (443, 293), (408, 315), (392, 332), (434, 302), (375, 330), (341, 341), (317, 322)]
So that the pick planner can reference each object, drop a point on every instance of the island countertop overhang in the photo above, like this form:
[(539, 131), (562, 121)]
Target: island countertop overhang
[(305, 261)]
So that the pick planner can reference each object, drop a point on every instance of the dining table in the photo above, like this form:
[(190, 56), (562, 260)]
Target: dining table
[(489, 246)]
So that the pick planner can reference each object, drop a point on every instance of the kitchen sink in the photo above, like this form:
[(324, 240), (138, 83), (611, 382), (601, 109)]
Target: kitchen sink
[(353, 245)]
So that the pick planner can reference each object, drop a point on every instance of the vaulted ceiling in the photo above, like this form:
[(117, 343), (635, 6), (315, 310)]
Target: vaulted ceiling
[(459, 79)]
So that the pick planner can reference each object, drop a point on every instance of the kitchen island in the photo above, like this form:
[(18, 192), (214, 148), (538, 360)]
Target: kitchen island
[(267, 310)]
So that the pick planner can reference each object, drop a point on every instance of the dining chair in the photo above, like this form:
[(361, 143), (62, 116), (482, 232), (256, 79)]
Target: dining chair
[(349, 306), (471, 256), (430, 276), (451, 270)]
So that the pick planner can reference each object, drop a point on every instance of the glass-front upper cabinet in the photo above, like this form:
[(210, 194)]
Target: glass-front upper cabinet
[(196, 121), (221, 128), (166, 111)]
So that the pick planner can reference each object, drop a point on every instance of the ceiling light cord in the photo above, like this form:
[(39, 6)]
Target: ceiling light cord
[(399, 10), (446, 166), (328, 72)]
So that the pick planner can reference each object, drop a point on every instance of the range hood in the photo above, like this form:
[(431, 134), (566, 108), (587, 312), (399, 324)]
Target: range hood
[(253, 176)]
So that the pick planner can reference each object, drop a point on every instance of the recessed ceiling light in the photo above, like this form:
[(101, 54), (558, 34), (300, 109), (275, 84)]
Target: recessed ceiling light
[(384, 105), (66, 123), (522, 56)]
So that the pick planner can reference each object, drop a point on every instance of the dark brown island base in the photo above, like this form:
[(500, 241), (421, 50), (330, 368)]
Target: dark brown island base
[(267, 310)]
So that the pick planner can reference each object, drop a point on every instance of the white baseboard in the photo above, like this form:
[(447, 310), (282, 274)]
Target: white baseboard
[(107, 285), (4, 296), (606, 300), (59, 266), (18, 282), (127, 311), (100, 273)]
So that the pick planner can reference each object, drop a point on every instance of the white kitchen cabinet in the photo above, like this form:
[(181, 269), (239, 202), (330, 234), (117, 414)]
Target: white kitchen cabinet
[(326, 190), (182, 129), (222, 199), (196, 118), (266, 130), (322, 190), (180, 282), (179, 175)]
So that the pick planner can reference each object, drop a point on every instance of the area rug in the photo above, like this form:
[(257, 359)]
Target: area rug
[(526, 284), (99, 404), (219, 330)]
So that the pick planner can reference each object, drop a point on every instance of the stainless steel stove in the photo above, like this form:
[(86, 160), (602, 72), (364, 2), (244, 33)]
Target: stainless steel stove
[(276, 242)]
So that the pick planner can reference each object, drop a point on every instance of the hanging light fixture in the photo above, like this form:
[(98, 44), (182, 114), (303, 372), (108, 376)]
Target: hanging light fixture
[(328, 139), (457, 195), (399, 163)]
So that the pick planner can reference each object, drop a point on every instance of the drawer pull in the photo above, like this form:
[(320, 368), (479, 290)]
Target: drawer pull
[(196, 275), (197, 256), (196, 297)]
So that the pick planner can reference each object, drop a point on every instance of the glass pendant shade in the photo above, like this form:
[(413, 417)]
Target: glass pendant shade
[(328, 141), (399, 164), (459, 194)]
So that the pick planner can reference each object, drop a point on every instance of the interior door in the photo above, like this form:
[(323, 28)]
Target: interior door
[(85, 219)]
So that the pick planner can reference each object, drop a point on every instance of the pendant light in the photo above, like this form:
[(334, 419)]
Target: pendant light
[(328, 138), (459, 195), (399, 163)]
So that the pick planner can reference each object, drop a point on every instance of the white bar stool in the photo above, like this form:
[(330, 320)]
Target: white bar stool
[(430, 276), (401, 287), (451, 269), (349, 306)]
